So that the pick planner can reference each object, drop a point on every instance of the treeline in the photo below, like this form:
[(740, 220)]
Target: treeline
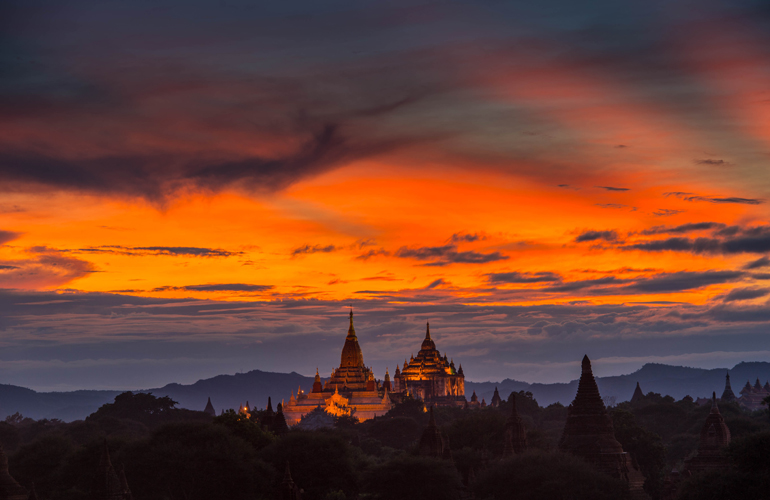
[(171, 454)]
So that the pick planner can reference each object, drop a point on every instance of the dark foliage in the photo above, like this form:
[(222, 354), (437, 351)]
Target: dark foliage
[(413, 478), (535, 476)]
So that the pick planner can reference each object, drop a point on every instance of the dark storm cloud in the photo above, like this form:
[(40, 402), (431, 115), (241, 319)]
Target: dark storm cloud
[(217, 287), (308, 249), (448, 254), (612, 188), (714, 199), (657, 283), (746, 294), (155, 177), (521, 277), (597, 235), (6, 236), (681, 281), (759, 263), (158, 250), (684, 228), (573, 286), (727, 240)]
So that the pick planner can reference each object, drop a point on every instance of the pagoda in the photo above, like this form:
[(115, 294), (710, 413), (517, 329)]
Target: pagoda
[(495, 399), (588, 433), (107, 484), (9, 488), (728, 394), (351, 390), (714, 437), (431, 377), (432, 442), (210, 409), (638, 395), (515, 434)]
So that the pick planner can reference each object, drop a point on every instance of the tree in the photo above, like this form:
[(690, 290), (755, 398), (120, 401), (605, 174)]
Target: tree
[(245, 428), (537, 475), (413, 478), (321, 462)]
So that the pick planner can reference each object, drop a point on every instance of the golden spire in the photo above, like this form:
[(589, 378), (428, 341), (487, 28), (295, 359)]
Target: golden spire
[(351, 330), (427, 331)]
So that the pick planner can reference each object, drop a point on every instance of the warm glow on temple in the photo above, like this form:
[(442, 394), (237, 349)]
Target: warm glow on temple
[(352, 389)]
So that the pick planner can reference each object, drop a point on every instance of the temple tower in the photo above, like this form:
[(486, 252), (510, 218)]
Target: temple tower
[(432, 443), (714, 437), (107, 485), (728, 394), (289, 490), (495, 399), (210, 409), (9, 488), (589, 434), (515, 434), (638, 394)]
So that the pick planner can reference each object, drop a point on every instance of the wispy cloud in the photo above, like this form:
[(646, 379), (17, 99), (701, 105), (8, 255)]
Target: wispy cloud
[(308, 249)]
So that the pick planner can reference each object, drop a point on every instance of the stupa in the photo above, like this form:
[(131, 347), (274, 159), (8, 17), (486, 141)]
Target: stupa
[(9, 488), (714, 437), (351, 389), (431, 377), (589, 434), (515, 434)]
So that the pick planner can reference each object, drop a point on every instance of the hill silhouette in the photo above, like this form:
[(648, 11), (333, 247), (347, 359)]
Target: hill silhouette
[(230, 391)]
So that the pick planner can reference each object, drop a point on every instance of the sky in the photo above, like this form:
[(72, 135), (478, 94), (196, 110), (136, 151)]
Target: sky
[(196, 188)]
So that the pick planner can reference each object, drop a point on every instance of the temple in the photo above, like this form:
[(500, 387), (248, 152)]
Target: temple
[(431, 377), (728, 394), (432, 442), (515, 434), (351, 390), (751, 397), (9, 488), (714, 437), (589, 434), (638, 394), (289, 490), (108, 485), (210, 409)]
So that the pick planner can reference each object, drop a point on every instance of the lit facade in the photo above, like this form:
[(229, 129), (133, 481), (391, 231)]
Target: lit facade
[(431, 377), (351, 389)]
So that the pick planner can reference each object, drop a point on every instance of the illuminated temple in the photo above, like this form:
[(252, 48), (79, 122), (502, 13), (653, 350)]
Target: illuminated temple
[(351, 389), (431, 377)]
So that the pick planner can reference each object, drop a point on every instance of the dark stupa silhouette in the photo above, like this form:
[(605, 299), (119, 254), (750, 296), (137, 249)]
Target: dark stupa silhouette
[(728, 394), (9, 488), (589, 434), (714, 438), (515, 434), (107, 484)]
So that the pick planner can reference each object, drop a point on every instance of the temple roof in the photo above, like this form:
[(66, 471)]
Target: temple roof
[(638, 394), (352, 374), (714, 434), (728, 394), (210, 408), (588, 428), (8, 485), (428, 361)]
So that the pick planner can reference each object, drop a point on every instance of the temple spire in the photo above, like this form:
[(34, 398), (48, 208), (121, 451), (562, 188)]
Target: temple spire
[(427, 331), (351, 330)]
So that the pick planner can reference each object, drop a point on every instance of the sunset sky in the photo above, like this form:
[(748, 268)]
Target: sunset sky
[(195, 188)]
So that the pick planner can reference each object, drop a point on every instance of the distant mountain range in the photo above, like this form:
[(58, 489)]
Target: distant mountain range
[(230, 391)]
